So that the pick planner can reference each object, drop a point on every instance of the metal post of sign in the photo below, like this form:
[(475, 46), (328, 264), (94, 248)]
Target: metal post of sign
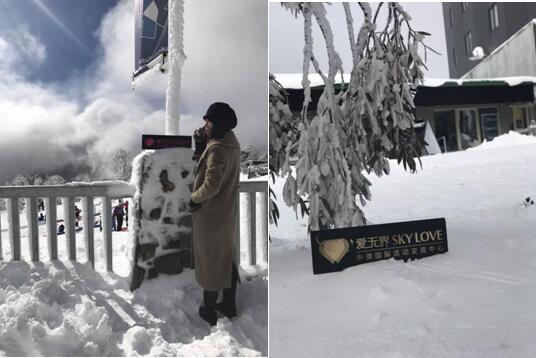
[(176, 57)]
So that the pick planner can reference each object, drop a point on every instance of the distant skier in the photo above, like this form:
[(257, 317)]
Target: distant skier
[(77, 213), (118, 213)]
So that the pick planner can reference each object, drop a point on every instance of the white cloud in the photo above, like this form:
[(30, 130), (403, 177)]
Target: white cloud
[(19, 50), (6, 54), (76, 127), (29, 45)]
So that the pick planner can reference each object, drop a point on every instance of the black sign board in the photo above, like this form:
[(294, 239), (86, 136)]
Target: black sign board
[(335, 250), (153, 141)]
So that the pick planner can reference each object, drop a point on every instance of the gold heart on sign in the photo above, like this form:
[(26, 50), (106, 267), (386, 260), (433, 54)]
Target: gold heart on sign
[(334, 250)]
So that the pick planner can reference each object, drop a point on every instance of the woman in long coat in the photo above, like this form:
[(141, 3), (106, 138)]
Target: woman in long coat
[(214, 207)]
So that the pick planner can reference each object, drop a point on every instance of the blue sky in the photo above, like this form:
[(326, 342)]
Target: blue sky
[(71, 45), (66, 101)]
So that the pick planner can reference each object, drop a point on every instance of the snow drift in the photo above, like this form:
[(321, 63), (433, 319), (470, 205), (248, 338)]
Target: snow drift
[(477, 300), (65, 308)]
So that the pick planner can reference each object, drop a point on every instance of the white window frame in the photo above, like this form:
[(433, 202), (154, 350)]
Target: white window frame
[(497, 113), (457, 120), (476, 123), (527, 113)]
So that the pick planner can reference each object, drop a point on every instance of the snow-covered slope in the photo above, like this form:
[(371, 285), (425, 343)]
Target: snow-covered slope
[(477, 300), (67, 309)]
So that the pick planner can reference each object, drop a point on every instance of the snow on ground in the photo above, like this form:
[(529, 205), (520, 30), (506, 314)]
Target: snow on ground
[(66, 308), (477, 300)]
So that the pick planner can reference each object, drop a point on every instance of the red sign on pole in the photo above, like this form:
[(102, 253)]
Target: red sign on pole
[(154, 141)]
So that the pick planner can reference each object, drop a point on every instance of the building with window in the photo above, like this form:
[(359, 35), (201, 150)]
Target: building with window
[(464, 113), (487, 25), (461, 113), (491, 91)]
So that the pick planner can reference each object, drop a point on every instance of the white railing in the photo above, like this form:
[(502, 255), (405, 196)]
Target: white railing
[(256, 206), (253, 206), (107, 191)]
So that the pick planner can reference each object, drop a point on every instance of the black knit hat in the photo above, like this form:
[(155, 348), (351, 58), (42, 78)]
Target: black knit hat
[(221, 115)]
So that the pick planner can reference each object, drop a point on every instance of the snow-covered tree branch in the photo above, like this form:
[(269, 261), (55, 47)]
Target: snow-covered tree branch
[(357, 126), (283, 133)]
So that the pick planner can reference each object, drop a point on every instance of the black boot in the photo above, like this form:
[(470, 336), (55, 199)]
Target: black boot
[(227, 306), (207, 311)]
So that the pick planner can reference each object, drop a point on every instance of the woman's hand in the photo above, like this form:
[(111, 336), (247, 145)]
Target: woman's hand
[(200, 142), (192, 206)]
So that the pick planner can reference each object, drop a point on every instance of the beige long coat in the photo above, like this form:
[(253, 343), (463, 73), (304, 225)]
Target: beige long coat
[(216, 187)]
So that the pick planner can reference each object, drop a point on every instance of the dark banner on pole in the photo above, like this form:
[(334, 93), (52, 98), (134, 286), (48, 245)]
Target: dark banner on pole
[(151, 32), (335, 250)]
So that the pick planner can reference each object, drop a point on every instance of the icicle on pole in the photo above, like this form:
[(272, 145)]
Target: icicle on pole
[(176, 57)]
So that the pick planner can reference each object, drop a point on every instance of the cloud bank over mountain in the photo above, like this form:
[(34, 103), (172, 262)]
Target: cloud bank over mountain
[(74, 128)]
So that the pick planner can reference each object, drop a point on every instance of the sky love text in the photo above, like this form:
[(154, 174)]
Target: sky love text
[(398, 239)]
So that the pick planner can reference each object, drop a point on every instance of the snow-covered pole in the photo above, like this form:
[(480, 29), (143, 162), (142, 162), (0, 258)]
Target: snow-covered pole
[(176, 57)]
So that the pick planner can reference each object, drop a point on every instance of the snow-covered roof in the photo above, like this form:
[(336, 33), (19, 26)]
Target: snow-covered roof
[(293, 81), (499, 81)]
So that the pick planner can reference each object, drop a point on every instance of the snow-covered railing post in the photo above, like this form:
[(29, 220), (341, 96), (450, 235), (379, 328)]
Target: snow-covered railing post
[(252, 234), (87, 219), (263, 219), (237, 242), (1, 250), (14, 228), (255, 210), (106, 218), (33, 234), (70, 231), (52, 235)]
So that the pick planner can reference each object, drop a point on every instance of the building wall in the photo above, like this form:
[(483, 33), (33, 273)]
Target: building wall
[(475, 19), (508, 60)]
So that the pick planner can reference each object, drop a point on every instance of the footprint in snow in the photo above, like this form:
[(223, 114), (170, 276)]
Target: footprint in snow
[(379, 292), (378, 317), (434, 294), (462, 325)]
